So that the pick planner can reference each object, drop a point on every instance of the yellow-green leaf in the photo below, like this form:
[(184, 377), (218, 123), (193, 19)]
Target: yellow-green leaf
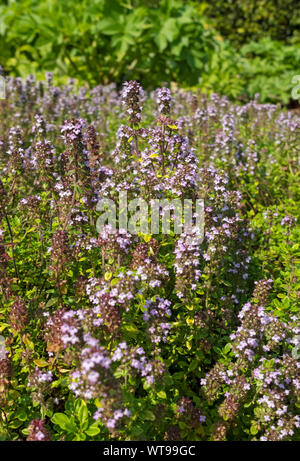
[(41, 363)]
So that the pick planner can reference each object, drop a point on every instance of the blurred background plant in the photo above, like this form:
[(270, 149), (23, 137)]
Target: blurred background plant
[(244, 20), (265, 67), (106, 40), (238, 48)]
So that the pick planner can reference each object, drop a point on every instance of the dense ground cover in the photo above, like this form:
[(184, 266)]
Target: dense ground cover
[(147, 337)]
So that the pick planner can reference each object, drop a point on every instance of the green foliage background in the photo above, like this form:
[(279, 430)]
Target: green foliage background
[(241, 20), (237, 48), (106, 40)]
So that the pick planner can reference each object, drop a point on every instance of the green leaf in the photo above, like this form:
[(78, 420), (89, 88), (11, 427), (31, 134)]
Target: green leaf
[(41, 363), (21, 415), (108, 276), (93, 430), (83, 414), (162, 395), (131, 329), (64, 422), (110, 26), (149, 415), (51, 302), (227, 348), (254, 429), (147, 237)]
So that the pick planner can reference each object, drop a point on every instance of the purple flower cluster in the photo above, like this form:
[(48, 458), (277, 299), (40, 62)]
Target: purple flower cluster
[(116, 417), (135, 358), (114, 242), (156, 314), (278, 387), (90, 378), (258, 329), (164, 100), (38, 431), (110, 298), (187, 263), (132, 94), (144, 262)]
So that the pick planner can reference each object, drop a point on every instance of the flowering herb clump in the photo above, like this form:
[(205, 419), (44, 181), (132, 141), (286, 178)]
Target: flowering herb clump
[(144, 331)]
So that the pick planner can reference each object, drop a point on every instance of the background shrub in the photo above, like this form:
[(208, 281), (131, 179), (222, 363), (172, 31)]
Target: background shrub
[(241, 20), (104, 41), (265, 67)]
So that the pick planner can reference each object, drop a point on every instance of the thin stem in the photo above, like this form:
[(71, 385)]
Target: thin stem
[(12, 245)]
